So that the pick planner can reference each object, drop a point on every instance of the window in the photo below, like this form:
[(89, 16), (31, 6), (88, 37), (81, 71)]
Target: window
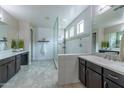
[(71, 34), (80, 27), (67, 34)]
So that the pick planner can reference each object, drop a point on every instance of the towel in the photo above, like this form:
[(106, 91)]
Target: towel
[(43, 48)]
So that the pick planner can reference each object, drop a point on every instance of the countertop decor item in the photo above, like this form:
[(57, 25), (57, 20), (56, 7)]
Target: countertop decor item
[(105, 44), (4, 39), (3, 44), (13, 44), (21, 44)]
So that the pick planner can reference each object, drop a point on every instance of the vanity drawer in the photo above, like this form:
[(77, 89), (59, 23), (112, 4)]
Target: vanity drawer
[(94, 67), (82, 61), (115, 77), (7, 60)]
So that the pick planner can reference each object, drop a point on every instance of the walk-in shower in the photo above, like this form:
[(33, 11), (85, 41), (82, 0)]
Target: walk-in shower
[(44, 42)]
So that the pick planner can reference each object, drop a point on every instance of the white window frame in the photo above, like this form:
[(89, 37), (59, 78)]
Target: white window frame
[(66, 34), (71, 32), (78, 27)]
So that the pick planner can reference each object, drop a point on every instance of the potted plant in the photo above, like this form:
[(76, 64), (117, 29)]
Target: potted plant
[(21, 44), (105, 44), (14, 45)]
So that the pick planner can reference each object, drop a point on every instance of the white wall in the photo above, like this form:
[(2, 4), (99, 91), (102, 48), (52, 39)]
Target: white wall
[(25, 34), (73, 44), (39, 35)]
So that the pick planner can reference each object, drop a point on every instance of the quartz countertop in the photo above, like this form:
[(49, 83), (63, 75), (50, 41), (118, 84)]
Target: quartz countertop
[(8, 54), (115, 66)]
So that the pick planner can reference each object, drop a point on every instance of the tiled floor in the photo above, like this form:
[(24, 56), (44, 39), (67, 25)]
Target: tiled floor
[(37, 75), (74, 85)]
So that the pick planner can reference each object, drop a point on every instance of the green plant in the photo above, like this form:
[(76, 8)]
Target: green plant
[(13, 44), (105, 44), (20, 43)]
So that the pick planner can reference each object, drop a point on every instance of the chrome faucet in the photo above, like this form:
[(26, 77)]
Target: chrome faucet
[(111, 56)]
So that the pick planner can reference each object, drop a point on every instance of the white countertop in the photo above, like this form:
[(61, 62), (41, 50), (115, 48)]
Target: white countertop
[(9, 53), (115, 66)]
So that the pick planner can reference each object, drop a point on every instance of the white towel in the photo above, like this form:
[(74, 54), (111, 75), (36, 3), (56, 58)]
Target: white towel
[(43, 48)]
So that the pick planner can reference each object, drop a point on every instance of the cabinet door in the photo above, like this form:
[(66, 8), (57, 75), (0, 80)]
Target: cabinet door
[(24, 59), (82, 73), (93, 79), (18, 62), (3, 74), (110, 84), (11, 69)]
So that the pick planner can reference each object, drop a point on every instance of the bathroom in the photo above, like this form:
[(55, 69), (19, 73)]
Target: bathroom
[(55, 46)]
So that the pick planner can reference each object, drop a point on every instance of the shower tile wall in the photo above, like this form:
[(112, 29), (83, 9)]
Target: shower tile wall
[(39, 35), (81, 43)]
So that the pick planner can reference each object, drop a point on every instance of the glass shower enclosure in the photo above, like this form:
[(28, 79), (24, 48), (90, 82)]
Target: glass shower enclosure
[(55, 42)]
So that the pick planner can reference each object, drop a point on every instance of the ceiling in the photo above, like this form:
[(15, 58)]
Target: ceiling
[(45, 15), (109, 18)]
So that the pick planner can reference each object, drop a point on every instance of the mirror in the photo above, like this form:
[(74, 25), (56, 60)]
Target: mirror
[(3, 37), (108, 24), (6, 36)]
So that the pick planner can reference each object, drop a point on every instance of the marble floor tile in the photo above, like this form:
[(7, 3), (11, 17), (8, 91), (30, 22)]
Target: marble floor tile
[(74, 85), (37, 75), (40, 74)]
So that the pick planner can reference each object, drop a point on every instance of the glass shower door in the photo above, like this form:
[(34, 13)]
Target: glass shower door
[(55, 42)]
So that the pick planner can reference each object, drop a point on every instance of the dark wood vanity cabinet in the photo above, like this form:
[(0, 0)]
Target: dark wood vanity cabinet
[(10, 66), (93, 79), (82, 71), (24, 58), (18, 63), (7, 69), (3, 74), (11, 69), (89, 75), (94, 76), (109, 84), (113, 79)]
